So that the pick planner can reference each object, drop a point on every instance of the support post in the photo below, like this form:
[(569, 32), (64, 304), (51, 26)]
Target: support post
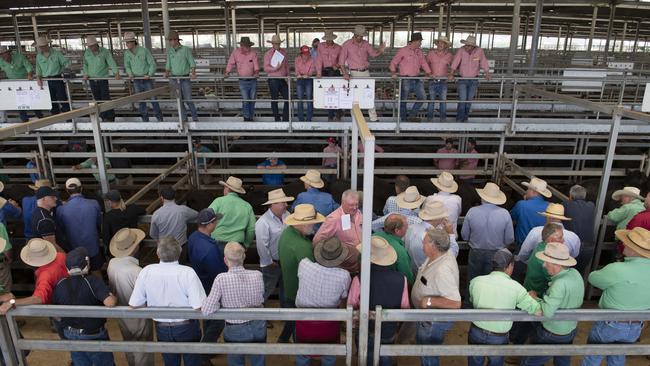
[(448, 22), (524, 41), (607, 167), (6, 344), (559, 36), (539, 8), (381, 34), (392, 34), (110, 36), (623, 37), (233, 19), (411, 25), (610, 27), (146, 25), (480, 36), (99, 148), (636, 35), (514, 36), (34, 27), (229, 42), (354, 161), (119, 35), (261, 38), (165, 19), (17, 33), (475, 28), (441, 18), (594, 19), (566, 38)]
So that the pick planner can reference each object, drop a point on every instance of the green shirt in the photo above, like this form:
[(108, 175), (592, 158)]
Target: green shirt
[(97, 65), (625, 284), (565, 291), (238, 222), (90, 164), (498, 291), (292, 248), (139, 62), (52, 65), (536, 276), (4, 235), (403, 263), (179, 61), (18, 68), (622, 215)]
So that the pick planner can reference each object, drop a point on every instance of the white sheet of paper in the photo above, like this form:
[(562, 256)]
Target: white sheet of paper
[(346, 98), (26, 98), (277, 59), (346, 222)]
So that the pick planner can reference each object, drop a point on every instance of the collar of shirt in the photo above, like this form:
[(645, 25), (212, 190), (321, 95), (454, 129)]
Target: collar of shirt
[(430, 262), (174, 263), (536, 198), (205, 237), (636, 259), (499, 274), (236, 269)]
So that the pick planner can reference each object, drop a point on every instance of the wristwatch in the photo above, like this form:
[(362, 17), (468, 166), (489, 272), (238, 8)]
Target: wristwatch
[(429, 302)]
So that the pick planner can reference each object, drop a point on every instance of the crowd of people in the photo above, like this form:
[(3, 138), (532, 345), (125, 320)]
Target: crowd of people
[(530, 258)]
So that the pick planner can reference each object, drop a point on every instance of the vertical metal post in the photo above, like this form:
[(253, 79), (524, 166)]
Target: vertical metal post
[(376, 345), (110, 36), (162, 38), (6, 344), (492, 44), (372, 35), (346, 154), (480, 36), (277, 28), (559, 36), (99, 148), (524, 41), (592, 30), (17, 33), (261, 37), (539, 9), (475, 28), (34, 27), (610, 27), (193, 41), (514, 36), (119, 35), (287, 35), (566, 38), (411, 25), (354, 160), (448, 22), (348, 336), (623, 37), (233, 19), (229, 42), (392, 34), (165, 19), (216, 41), (381, 34), (636, 35), (441, 18), (607, 166), (146, 25)]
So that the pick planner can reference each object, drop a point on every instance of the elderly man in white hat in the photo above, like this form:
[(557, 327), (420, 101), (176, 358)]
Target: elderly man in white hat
[(631, 204), (245, 60), (408, 204), (439, 60), (276, 65), (355, 53), (468, 60), (447, 187), (140, 66), (50, 63), (16, 66), (525, 212), (238, 223), (554, 213), (327, 64), (97, 61), (322, 201)]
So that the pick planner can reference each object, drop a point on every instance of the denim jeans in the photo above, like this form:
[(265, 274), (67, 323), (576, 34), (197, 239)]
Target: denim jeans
[(89, 358), (542, 336), (253, 331), (611, 332), (24, 117), (279, 87), (100, 91), (431, 333), (289, 329), (305, 91), (302, 360), (248, 90), (479, 336), (437, 91), (479, 262), (211, 332), (181, 333), (272, 277), (466, 92), (58, 94), (408, 86), (186, 97), (142, 85)]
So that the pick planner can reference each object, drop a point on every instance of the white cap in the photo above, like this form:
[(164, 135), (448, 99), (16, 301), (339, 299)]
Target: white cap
[(72, 183)]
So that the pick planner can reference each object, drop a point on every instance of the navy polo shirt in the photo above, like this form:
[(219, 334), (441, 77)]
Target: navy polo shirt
[(81, 290), (272, 179), (206, 258), (43, 223)]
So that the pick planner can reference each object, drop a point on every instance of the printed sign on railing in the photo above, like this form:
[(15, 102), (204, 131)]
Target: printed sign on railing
[(341, 93), (23, 95)]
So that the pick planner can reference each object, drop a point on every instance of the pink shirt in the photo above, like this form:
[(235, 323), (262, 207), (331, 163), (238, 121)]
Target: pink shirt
[(331, 149), (409, 60), (246, 63), (328, 56), (446, 164), (332, 227), (439, 62), (468, 64), (355, 293), (355, 54), (305, 66), (469, 164), (270, 70)]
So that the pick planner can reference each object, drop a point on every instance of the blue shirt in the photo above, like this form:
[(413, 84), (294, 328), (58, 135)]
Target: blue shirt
[(203, 162), (80, 219), (525, 214), (272, 179), (322, 202), (33, 176), (9, 210), (488, 227), (206, 258), (29, 204)]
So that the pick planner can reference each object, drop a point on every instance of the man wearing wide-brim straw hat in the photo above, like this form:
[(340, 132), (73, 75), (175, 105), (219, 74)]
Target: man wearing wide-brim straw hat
[(277, 72), (97, 60), (238, 223), (140, 66), (327, 64), (525, 212), (625, 287), (50, 63), (468, 60), (409, 61), (322, 201), (439, 60), (16, 66), (248, 68), (631, 204), (408, 204), (447, 187)]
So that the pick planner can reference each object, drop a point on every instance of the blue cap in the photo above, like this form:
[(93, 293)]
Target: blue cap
[(207, 216), (77, 258)]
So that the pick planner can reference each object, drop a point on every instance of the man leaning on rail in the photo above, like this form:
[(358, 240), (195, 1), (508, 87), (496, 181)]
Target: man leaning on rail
[(96, 62), (16, 66), (140, 66), (180, 65), (468, 60)]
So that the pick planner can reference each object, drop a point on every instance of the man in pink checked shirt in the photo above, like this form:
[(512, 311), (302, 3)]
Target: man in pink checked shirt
[(305, 67), (447, 163), (439, 61), (245, 59), (468, 60), (355, 53), (410, 61), (327, 64), (275, 71), (344, 222)]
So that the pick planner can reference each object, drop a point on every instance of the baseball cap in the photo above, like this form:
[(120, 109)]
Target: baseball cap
[(45, 192), (168, 193), (304, 49), (113, 195), (77, 258), (207, 215), (72, 183), (332, 140), (502, 258)]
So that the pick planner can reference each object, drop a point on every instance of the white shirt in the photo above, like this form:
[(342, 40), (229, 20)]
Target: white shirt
[(168, 285), (437, 278), (534, 237), (267, 233), (413, 243), (454, 205)]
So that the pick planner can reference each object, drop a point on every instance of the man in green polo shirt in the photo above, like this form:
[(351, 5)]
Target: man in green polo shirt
[(50, 63), (140, 66), (631, 204), (238, 222), (180, 65), (5, 259), (625, 286), (15, 66), (395, 227), (97, 61)]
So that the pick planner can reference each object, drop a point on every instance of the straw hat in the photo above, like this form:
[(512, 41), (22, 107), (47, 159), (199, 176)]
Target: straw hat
[(445, 182), (329, 36), (627, 191), (275, 39), (443, 39), (38, 252), (330, 252), (234, 183), (539, 186), (637, 239), (304, 214), (42, 41), (276, 196), (125, 241), (556, 253), (492, 194), (360, 30), (411, 198), (555, 211), (91, 41), (381, 253), (470, 41), (313, 179), (433, 210), (40, 183), (174, 35), (2, 186), (129, 37)]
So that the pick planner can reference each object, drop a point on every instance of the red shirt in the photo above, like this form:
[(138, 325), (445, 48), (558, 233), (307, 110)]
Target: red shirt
[(328, 56), (284, 65), (642, 219), (48, 276), (410, 60), (246, 63), (355, 54), (305, 66)]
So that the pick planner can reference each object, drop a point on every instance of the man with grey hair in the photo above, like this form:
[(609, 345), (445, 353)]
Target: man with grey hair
[(169, 284), (582, 214), (236, 289), (344, 222)]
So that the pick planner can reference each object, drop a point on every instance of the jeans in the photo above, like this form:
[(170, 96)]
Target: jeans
[(253, 331), (58, 94), (279, 87), (190, 332), (289, 329), (89, 358), (305, 91), (479, 262), (25, 118), (211, 332), (408, 86), (437, 91), (611, 332), (100, 91), (466, 92), (142, 85), (431, 333), (479, 336), (302, 360), (542, 336), (186, 97), (248, 90), (272, 277)]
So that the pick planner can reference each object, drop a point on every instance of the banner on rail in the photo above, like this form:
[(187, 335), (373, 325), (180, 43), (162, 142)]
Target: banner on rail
[(341, 93), (24, 95)]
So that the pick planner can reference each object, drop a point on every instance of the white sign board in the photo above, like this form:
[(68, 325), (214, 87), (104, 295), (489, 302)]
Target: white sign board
[(580, 84), (202, 62), (621, 65), (23, 95), (645, 106), (341, 94)]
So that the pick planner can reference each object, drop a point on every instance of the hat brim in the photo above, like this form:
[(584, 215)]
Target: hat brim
[(546, 193), (409, 205), (464, 41), (238, 190), (621, 192), (566, 262), (281, 41), (442, 40), (330, 262), (319, 184), (130, 40), (247, 43), (554, 216), (116, 252), (422, 214), (278, 200), (452, 189), (330, 38), (92, 44), (386, 260), (291, 220), (501, 199), (38, 262), (622, 236)]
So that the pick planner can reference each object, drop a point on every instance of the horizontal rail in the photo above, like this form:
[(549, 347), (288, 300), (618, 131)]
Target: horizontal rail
[(234, 155), (467, 315), (573, 157), (253, 171), (514, 350)]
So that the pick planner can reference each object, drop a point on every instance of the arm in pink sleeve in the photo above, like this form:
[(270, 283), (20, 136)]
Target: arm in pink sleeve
[(231, 62), (256, 64), (372, 51), (456, 61), (484, 63), (343, 55), (267, 61), (327, 230), (355, 293), (295, 67), (424, 64), (406, 304), (395, 61)]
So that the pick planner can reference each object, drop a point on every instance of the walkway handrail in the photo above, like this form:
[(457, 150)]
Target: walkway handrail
[(158, 179)]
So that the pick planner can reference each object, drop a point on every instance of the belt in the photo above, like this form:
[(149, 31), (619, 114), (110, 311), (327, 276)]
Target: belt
[(359, 70), (85, 331), (489, 332), (555, 334), (627, 321), (173, 324), (247, 79)]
